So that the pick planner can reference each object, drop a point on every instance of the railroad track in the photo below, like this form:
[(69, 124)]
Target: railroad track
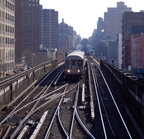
[(67, 117), (110, 121), (31, 104), (49, 110), (57, 109)]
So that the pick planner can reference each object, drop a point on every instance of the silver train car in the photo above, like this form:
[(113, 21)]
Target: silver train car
[(75, 63)]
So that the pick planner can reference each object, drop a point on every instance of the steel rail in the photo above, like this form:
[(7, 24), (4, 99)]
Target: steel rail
[(98, 66), (40, 107), (114, 102), (100, 96), (83, 126), (38, 95), (116, 105), (99, 105), (31, 111), (48, 130), (66, 133), (55, 76), (74, 112), (24, 99), (40, 98), (58, 78), (106, 113), (7, 132), (46, 103), (58, 107)]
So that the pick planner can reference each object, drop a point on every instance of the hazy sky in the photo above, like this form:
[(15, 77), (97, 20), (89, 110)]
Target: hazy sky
[(83, 15)]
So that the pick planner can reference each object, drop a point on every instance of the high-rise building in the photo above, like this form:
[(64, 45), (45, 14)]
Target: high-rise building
[(132, 25), (7, 37), (112, 19), (48, 28), (65, 37), (26, 29), (100, 26)]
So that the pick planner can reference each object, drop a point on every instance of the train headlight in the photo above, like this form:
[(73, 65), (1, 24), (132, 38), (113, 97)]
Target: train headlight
[(78, 71), (68, 70)]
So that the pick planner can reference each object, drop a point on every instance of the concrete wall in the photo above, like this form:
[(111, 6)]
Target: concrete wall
[(134, 92), (11, 92)]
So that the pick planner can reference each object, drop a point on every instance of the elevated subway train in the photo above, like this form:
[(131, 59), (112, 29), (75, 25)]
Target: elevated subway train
[(74, 64)]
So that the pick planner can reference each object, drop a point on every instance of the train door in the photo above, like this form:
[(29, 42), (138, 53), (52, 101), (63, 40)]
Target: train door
[(73, 66)]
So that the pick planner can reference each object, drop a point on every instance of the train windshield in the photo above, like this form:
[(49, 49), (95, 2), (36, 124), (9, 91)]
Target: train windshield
[(73, 62)]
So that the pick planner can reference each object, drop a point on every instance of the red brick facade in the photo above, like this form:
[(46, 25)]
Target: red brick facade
[(26, 28), (137, 52)]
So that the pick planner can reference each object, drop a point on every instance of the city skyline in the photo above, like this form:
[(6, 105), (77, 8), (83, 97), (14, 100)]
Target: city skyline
[(83, 15)]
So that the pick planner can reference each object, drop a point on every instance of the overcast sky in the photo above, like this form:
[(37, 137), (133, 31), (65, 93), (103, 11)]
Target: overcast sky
[(83, 15)]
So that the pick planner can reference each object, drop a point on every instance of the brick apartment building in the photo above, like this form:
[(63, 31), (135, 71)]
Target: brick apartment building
[(132, 25), (7, 37), (27, 25), (48, 28), (137, 54)]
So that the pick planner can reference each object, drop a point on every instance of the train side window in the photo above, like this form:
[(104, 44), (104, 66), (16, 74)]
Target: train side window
[(73, 62)]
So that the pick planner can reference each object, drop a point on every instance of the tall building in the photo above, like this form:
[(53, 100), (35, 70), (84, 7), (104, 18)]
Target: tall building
[(65, 37), (7, 37), (48, 28), (100, 26), (26, 29), (112, 19), (137, 54), (132, 25)]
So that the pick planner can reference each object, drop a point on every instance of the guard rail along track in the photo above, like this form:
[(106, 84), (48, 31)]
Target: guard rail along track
[(13, 87), (30, 107), (134, 91)]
